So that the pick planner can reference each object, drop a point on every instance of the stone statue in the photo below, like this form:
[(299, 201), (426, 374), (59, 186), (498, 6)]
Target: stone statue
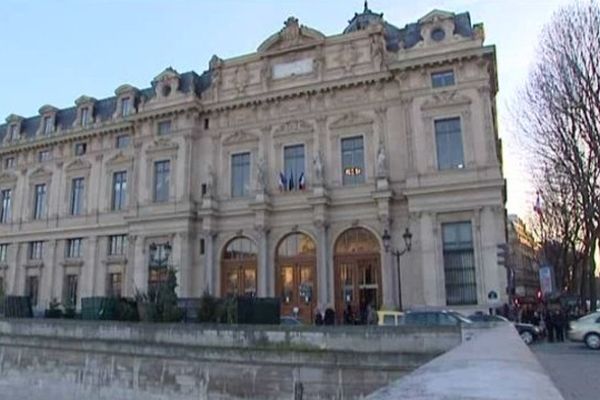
[(318, 169), (210, 182), (261, 175), (377, 53), (381, 162)]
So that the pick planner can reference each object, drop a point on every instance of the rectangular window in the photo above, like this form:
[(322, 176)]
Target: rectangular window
[(9, 162), (3, 253), (122, 142), (44, 155), (164, 128), (85, 116), (206, 123), (459, 264), (31, 289), (201, 246), (113, 285), (353, 161), (80, 149), (39, 204), (117, 245), (5, 205), (48, 128), (162, 172), (442, 78), (240, 174), (293, 166), (77, 187), (73, 249), (119, 192), (448, 141), (70, 291), (125, 106), (35, 250)]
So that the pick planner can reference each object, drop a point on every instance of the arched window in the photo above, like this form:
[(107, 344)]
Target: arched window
[(356, 240), (296, 244), (240, 248)]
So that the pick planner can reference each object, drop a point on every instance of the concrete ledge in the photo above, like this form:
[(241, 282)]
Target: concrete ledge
[(494, 365)]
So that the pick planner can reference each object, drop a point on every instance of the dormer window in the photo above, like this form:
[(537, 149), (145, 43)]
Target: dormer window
[(12, 132), (48, 126), (125, 106), (85, 116)]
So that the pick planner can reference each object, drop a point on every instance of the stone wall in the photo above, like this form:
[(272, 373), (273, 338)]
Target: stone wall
[(110, 360)]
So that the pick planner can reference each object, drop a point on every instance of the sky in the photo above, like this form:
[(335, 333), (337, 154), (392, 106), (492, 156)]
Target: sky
[(53, 51)]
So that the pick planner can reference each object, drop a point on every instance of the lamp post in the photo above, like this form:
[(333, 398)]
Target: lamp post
[(407, 236)]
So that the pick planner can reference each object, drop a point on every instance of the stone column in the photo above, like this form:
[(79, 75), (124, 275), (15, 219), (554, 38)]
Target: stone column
[(88, 269), (100, 271), (325, 286), (140, 266), (209, 262), (263, 269), (14, 263), (389, 270), (46, 277), (183, 263)]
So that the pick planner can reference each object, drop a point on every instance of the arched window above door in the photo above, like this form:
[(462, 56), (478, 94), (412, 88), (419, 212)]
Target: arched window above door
[(240, 248), (357, 240), (296, 244)]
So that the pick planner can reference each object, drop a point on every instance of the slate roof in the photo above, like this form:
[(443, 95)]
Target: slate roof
[(104, 109), (409, 35)]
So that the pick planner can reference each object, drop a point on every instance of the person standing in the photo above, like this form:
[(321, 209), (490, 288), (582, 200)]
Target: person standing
[(549, 320), (559, 325)]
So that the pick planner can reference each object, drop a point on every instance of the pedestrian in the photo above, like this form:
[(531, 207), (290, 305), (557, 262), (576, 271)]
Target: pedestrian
[(318, 317), (348, 315), (559, 325), (549, 320), (371, 315), (329, 318)]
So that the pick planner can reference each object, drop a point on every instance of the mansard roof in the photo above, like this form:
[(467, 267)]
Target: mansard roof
[(410, 35), (104, 109)]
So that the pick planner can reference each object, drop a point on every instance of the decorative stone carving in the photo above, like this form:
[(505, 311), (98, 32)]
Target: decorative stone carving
[(261, 175), (381, 162), (293, 126), (318, 169), (240, 137), (350, 119), (292, 34), (377, 51), (210, 182), (445, 98), (265, 74), (348, 57), (240, 79)]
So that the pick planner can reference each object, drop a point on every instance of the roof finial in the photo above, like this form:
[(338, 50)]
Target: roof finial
[(366, 6)]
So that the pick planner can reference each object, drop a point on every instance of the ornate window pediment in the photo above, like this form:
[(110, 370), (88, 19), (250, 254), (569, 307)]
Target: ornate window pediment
[(40, 173), (293, 34), (162, 145), (8, 177), (446, 98), (78, 165), (85, 111), (240, 137), (13, 129), (293, 127), (166, 83), (119, 158), (349, 120)]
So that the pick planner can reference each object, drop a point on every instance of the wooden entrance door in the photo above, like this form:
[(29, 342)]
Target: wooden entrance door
[(296, 287), (238, 268), (357, 284)]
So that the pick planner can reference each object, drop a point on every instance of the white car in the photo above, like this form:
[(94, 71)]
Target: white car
[(586, 329)]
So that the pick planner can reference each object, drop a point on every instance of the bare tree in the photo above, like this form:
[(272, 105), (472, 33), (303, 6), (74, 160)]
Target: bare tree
[(560, 115)]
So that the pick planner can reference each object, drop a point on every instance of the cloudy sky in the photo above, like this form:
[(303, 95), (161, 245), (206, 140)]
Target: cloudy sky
[(54, 51)]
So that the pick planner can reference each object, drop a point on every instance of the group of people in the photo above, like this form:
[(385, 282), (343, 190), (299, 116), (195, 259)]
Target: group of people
[(367, 315), (553, 319)]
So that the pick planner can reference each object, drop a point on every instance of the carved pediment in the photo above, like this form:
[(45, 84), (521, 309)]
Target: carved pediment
[(162, 144), (40, 172), (436, 15), (293, 126), (78, 164), (349, 120), (119, 158), (240, 137), (13, 118), (84, 100), (168, 74), (293, 34), (445, 99), (8, 177)]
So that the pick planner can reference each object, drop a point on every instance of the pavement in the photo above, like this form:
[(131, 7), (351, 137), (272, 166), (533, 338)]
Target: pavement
[(574, 369)]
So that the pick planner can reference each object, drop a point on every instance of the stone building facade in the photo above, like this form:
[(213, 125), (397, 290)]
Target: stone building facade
[(276, 173), (522, 260)]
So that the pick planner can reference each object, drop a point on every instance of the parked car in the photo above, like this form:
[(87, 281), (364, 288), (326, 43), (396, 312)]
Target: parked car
[(586, 329), (290, 321), (389, 318), (528, 332), (435, 317)]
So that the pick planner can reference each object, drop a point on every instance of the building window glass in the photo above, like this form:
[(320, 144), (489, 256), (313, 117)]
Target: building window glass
[(353, 161), (48, 125), (80, 149), (164, 128), (12, 132), (36, 250), (44, 155), (113, 287), (240, 174), (77, 187), (448, 140), (119, 193), (117, 245), (3, 253), (70, 292), (122, 142), (459, 264), (5, 206), (125, 106), (162, 171), (74, 248), (39, 210), (9, 162), (293, 164), (31, 289), (85, 116), (441, 79)]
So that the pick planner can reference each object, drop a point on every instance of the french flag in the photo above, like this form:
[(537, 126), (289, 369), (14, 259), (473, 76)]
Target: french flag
[(291, 185), (301, 182), (282, 182)]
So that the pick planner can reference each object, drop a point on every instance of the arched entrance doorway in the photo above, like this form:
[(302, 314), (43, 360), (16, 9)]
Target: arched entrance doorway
[(238, 268), (295, 269), (357, 270)]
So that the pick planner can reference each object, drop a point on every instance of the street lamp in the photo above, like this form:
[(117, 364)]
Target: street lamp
[(407, 236)]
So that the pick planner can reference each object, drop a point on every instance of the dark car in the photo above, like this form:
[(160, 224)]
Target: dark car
[(290, 321), (528, 332)]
